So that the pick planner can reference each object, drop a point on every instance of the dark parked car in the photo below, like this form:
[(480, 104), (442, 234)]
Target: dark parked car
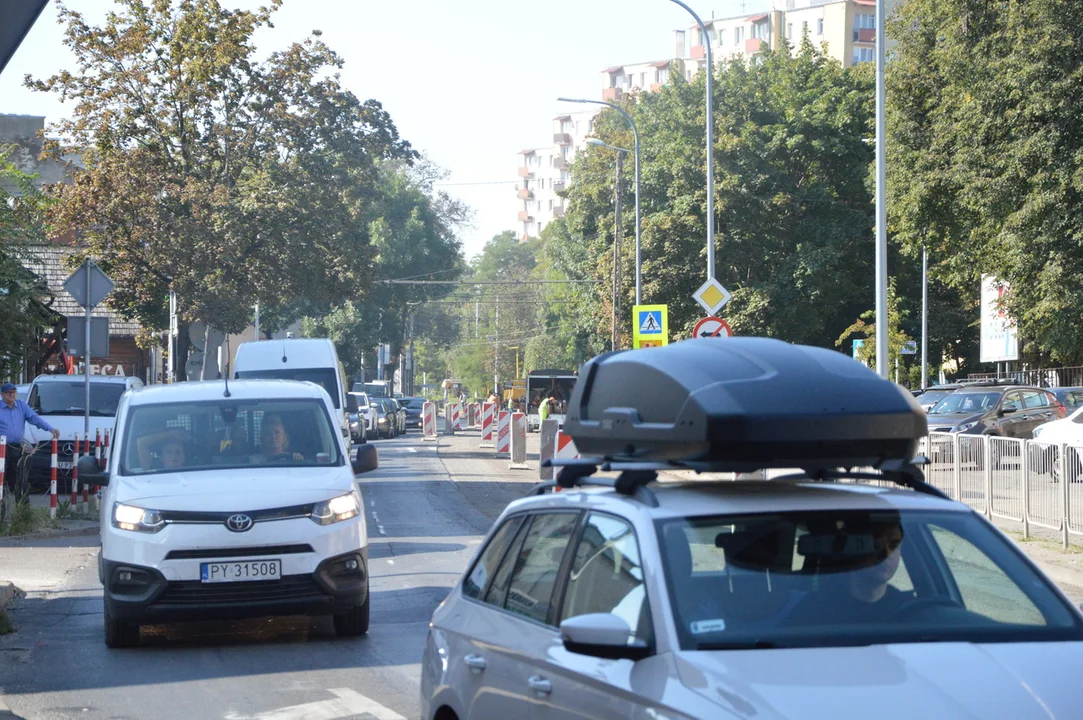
[(386, 422), (400, 416), (413, 407), (1070, 397), (1003, 410)]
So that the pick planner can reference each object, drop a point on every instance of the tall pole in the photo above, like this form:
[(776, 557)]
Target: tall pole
[(924, 318), (86, 363), (615, 341), (171, 374), (710, 138), (256, 324), (881, 202), (639, 223)]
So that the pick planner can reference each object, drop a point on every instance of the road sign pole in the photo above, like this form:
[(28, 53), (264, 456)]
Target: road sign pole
[(86, 363)]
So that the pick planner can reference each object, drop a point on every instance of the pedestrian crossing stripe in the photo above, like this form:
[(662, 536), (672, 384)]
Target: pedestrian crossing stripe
[(650, 323)]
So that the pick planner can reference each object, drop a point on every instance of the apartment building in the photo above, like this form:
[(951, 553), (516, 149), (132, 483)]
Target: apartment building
[(621, 80), (543, 172)]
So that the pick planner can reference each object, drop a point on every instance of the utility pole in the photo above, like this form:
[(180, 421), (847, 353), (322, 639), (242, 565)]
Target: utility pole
[(615, 340), (496, 354), (924, 318)]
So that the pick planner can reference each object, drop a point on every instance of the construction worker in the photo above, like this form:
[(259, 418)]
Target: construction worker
[(546, 407)]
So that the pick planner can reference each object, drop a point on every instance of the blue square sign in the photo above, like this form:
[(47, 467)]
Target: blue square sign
[(650, 322)]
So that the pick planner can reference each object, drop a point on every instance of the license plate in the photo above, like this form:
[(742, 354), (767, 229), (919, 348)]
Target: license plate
[(61, 465), (241, 571)]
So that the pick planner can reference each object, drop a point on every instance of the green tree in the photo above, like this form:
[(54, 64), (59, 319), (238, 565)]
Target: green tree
[(985, 155), (226, 178), (865, 327)]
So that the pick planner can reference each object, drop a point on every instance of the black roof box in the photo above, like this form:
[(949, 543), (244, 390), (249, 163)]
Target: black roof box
[(741, 404)]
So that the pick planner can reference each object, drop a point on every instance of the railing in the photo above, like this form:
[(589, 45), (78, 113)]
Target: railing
[(1050, 377)]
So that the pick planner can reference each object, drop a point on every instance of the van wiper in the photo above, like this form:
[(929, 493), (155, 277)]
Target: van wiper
[(738, 645)]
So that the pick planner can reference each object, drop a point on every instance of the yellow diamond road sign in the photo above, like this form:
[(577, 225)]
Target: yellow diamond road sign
[(712, 296)]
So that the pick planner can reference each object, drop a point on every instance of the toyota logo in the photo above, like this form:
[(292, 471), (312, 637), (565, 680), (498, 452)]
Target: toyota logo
[(68, 449), (239, 522)]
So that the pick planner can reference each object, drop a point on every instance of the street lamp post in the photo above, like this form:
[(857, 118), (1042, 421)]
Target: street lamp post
[(616, 312), (710, 138), (881, 203), (635, 139)]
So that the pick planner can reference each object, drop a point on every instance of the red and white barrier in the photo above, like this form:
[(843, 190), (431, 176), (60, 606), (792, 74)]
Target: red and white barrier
[(428, 421), (565, 447), (547, 451), (98, 458), (105, 451), (75, 473), (3, 464), (477, 414), (459, 416), (487, 411), (518, 442), (52, 480), (503, 432)]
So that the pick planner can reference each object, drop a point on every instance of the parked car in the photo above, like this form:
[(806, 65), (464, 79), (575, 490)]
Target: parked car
[(1069, 397), (185, 537), (1003, 410), (413, 407), (60, 401), (386, 425), (934, 394), (363, 420), (400, 416), (1068, 431)]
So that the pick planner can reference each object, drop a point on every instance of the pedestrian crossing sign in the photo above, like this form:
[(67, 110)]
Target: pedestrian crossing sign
[(650, 326)]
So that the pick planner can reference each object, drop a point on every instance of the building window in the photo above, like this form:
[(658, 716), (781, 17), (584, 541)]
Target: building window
[(865, 21), (820, 26), (661, 75), (789, 30), (863, 55), (761, 31), (738, 35), (550, 206)]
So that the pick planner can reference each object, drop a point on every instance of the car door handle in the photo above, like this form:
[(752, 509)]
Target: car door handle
[(540, 685), (474, 662)]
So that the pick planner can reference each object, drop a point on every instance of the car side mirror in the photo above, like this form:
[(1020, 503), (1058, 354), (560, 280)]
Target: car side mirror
[(366, 459), (1006, 411), (89, 472), (602, 635)]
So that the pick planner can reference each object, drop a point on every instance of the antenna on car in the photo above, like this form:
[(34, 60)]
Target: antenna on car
[(284, 350), (225, 375)]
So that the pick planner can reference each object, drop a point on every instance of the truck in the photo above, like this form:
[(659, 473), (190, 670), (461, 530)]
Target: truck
[(543, 383)]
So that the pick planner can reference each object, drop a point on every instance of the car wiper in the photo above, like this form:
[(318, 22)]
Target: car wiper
[(738, 645)]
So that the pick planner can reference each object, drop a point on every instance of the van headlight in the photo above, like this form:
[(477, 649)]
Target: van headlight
[(337, 509), (130, 517)]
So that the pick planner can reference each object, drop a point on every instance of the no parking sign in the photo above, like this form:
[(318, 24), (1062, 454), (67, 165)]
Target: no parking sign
[(712, 327)]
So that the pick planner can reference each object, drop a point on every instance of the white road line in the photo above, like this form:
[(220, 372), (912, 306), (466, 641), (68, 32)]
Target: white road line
[(381, 529), (347, 703), (390, 562), (412, 449)]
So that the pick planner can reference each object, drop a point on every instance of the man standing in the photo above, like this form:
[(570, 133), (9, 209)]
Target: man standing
[(546, 407), (14, 414)]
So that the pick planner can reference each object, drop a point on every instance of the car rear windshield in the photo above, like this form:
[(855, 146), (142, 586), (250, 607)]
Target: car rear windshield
[(324, 377), (182, 437), (853, 578), (414, 403), (69, 398), (960, 402)]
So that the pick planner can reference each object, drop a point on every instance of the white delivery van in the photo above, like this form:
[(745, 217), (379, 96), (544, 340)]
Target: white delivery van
[(306, 359)]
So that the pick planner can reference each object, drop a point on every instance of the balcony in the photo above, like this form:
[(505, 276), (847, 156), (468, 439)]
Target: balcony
[(613, 94), (559, 185), (562, 138), (525, 194), (698, 52), (865, 35), (560, 163), (526, 171), (525, 216), (754, 45)]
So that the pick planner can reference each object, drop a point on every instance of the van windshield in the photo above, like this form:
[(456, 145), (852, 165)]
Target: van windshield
[(324, 377), (180, 437), (69, 398)]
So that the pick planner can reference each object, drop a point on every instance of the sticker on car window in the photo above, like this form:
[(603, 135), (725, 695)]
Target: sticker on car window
[(699, 627)]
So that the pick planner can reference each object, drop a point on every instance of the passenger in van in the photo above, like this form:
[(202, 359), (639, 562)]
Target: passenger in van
[(169, 445), (275, 442)]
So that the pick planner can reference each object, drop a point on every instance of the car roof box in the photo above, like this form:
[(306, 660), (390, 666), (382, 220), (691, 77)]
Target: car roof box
[(738, 404)]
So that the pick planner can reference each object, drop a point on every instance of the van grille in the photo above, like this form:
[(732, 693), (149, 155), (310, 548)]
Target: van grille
[(238, 552), (194, 592)]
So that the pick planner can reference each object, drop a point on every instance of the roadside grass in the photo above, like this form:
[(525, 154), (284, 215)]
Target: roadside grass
[(22, 518)]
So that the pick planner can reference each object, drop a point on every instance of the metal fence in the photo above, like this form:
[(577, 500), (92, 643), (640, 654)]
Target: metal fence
[(1049, 377)]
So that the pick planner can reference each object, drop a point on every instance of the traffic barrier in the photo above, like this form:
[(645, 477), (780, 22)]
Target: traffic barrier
[(75, 473), (105, 451), (503, 432), (449, 418), (459, 415), (471, 415), (3, 464), (548, 432), (487, 410), (52, 480), (518, 442), (565, 447), (98, 458), (428, 421), (477, 414)]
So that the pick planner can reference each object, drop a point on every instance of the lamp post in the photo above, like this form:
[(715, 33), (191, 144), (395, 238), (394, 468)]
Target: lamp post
[(615, 339), (635, 139), (881, 203), (710, 138)]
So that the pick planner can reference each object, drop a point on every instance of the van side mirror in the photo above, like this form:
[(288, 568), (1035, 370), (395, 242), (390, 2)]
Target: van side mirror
[(366, 459), (89, 471)]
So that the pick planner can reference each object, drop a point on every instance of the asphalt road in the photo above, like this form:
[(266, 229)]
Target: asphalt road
[(423, 528)]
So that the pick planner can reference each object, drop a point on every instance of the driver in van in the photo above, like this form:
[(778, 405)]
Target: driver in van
[(274, 442)]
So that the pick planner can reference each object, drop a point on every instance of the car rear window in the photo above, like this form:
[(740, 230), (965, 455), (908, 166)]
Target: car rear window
[(324, 377)]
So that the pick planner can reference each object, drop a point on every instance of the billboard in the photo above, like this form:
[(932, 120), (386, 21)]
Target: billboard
[(999, 342)]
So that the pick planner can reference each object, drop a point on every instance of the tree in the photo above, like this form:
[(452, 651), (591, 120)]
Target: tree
[(207, 171), (866, 327), (985, 155)]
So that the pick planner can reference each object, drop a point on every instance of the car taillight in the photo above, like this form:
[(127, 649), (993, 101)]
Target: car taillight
[(1062, 411)]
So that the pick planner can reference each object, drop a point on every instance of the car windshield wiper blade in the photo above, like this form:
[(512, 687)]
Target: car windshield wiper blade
[(738, 645)]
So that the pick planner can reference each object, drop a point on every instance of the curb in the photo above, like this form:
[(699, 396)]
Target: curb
[(8, 592), (1058, 574)]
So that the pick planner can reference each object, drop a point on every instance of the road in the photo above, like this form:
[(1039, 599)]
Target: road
[(423, 525)]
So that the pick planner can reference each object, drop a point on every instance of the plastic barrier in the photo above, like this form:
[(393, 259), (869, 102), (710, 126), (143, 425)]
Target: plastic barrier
[(487, 412), (450, 415), (428, 421), (471, 415), (503, 432), (459, 416), (52, 480), (3, 464), (565, 446), (548, 450), (518, 442), (75, 473)]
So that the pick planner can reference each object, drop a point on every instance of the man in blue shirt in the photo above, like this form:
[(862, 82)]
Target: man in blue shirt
[(14, 414)]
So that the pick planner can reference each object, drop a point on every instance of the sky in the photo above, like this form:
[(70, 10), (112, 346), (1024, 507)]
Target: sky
[(469, 83)]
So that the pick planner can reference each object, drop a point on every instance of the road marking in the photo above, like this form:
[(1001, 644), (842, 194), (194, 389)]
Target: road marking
[(347, 703), (412, 449), (381, 529), (390, 562)]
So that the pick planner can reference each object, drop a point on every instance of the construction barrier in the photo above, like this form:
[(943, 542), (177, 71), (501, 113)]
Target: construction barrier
[(75, 473), (565, 447), (487, 411), (548, 432), (460, 416), (503, 432), (450, 416), (3, 464), (518, 442), (428, 421), (101, 465), (477, 414), (471, 415), (52, 480)]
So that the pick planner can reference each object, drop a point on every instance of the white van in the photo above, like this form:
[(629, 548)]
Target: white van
[(311, 359)]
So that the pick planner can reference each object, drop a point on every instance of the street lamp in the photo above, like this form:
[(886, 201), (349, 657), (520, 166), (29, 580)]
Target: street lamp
[(616, 237), (635, 138), (710, 140)]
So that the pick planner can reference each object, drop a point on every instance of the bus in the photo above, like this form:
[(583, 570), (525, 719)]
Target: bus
[(543, 383)]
